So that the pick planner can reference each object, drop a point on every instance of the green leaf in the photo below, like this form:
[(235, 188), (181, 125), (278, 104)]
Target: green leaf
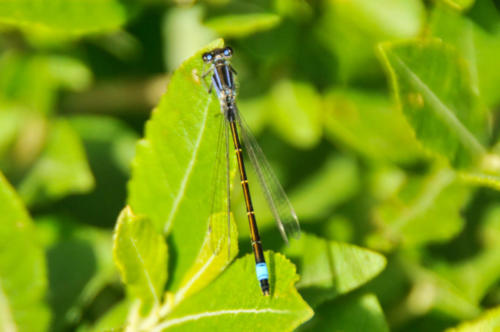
[(214, 257), (180, 46), (447, 297), (361, 312), (242, 25), (432, 86), (110, 147), (32, 81), (328, 269), (22, 268), (489, 233), (488, 321), (459, 4), (80, 264), (409, 218), (370, 124), (141, 256), (339, 176), (297, 113), (240, 305), (113, 320), (62, 169), (65, 17), (174, 164), (477, 46), (351, 29), (476, 275), (216, 254)]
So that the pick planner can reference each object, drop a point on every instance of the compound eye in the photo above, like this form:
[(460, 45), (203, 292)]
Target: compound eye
[(207, 57), (228, 51)]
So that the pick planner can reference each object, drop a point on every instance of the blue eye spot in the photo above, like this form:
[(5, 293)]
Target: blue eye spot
[(226, 52), (209, 57)]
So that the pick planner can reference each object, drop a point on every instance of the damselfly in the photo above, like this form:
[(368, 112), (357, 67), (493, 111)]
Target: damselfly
[(224, 84)]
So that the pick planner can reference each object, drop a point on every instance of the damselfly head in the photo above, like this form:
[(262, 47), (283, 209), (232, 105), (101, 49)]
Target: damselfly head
[(217, 54)]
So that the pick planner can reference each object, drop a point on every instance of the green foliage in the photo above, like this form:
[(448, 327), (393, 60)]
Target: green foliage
[(141, 256), (487, 322), (345, 315), (65, 17), (241, 306), (242, 25), (329, 269), (408, 219), (433, 89), (380, 118), (61, 169), (23, 282)]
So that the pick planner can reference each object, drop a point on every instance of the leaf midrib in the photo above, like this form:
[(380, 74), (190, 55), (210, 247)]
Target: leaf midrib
[(445, 113), (189, 170), (146, 273)]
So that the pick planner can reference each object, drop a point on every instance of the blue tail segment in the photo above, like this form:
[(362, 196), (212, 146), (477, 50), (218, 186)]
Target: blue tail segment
[(263, 277), (261, 269)]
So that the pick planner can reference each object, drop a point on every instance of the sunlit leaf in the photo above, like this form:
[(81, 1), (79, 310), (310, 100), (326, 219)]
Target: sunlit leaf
[(488, 321), (240, 305), (480, 48), (338, 177), (140, 253), (328, 269), (242, 25), (32, 81), (65, 17), (443, 296), (358, 313), (433, 88), (213, 258), (297, 113), (459, 4), (179, 46), (22, 268), (174, 164), (351, 29), (370, 124), (62, 168), (409, 218)]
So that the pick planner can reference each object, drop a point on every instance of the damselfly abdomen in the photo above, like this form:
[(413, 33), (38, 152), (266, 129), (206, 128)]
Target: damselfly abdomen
[(222, 75)]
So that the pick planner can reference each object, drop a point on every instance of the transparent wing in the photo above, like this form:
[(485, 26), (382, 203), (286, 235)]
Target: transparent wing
[(220, 206), (279, 204)]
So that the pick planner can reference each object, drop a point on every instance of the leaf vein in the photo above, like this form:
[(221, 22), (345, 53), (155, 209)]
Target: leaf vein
[(467, 138), (146, 273), (209, 314), (189, 170)]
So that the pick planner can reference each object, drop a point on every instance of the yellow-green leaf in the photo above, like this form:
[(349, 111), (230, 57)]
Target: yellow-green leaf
[(242, 25), (22, 268), (433, 88), (74, 17), (328, 269), (140, 253), (234, 301)]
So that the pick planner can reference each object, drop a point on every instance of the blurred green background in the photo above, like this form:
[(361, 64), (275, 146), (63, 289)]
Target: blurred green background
[(329, 105)]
